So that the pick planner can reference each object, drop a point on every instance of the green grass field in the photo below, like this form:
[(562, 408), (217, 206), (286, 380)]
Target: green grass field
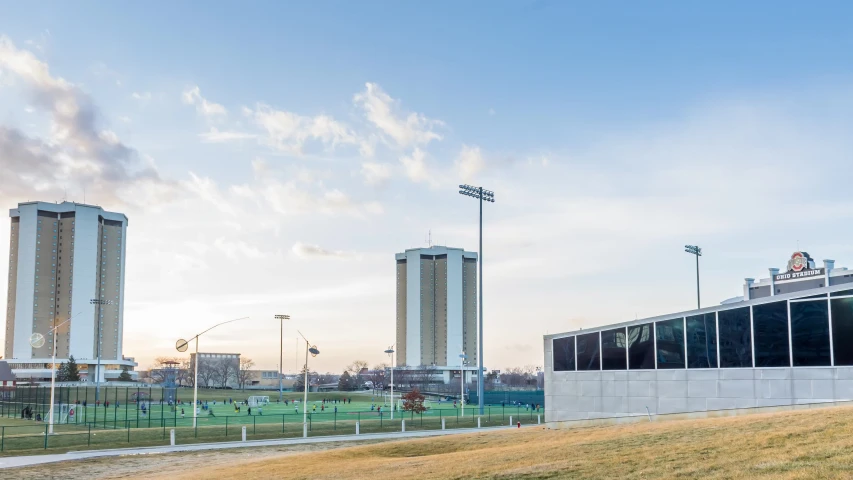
[(127, 425)]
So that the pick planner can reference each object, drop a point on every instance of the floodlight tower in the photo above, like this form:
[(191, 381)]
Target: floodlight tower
[(281, 319), (483, 196), (695, 250)]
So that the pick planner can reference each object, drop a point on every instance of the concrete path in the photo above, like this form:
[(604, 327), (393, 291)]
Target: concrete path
[(25, 461)]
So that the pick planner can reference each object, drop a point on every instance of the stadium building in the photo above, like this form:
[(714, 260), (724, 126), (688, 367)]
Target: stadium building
[(788, 342)]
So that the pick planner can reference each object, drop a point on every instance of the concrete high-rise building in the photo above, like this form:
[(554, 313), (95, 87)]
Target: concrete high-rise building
[(61, 257), (436, 307)]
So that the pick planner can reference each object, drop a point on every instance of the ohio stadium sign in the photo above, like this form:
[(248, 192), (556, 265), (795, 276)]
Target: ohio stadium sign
[(800, 265)]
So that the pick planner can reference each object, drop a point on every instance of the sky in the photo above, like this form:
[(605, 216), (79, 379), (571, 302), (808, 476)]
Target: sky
[(272, 157)]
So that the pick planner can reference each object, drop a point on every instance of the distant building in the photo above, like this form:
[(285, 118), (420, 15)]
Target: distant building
[(61, 257), (436, 307)]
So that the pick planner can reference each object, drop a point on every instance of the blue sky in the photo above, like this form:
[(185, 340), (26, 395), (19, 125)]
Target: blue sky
[(298, 146)]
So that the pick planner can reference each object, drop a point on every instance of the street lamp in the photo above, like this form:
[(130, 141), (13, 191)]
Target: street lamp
[(312, 349), (37, 341), (483, 196), (281, 319), (181, 346), (462, 383), (390, 352), (99, 302), (694, 250)]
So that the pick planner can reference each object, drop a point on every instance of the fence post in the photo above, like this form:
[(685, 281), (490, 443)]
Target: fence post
[(538, 419), (282, 423), (442, 424), (2, 439), (45, 436), (510, 420), (226, 426), (478, 422), (403, 424), (244, 433), (172, 437), (357, 425)]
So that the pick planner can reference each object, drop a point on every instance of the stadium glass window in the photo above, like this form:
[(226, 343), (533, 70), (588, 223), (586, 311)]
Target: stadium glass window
[(613, 353), (770, 330), (841, 293), (702, 341), (564, 354), (735, 338), (588, 352), (842, 330), (670, 343), (641, 351), (810, 333)]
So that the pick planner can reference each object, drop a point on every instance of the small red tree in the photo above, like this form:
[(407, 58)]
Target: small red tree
[(414, 402)]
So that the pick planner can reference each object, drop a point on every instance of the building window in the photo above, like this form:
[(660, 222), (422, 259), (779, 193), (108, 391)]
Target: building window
[(588, 352), (810, 333), (735, 338), (613, 353), (842, 330), (641, 354), (770, 328), (702, 341), (564, 354), (670, 343)]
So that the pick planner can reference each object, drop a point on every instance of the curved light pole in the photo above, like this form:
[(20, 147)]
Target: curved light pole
[(314, 352), (483, 196), (99, 302), (464, 360), (390, 352), (37, 341), (281, 319), (181, 346)]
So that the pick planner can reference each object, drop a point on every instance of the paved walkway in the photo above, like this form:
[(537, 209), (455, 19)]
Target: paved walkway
[(25, 461)]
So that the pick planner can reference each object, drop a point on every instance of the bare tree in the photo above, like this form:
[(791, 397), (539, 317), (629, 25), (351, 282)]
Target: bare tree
[(207, 373), (185, 373), (226, 369), (377, 377), (244, 375), (355, 369)]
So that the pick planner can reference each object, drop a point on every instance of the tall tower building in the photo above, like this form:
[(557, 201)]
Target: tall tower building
[(436, 307), (61, 257)]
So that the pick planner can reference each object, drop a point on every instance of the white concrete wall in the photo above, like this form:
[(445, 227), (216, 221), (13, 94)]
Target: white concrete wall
[(454, 307), (86, 243), (121, 291), (573, 396), (25, 287), (413, 307)]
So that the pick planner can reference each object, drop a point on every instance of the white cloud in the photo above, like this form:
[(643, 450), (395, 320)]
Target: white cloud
[(375, 173), (141, 96), (289, 132), (416, 168), (192, 96), (470, 162), (406, 130), (214, 135), (237, 249), (304, 250)]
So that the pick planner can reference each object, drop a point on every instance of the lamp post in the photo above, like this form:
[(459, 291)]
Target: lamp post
[(390, 352), (312, 349), (695, 250), (488, 196), (463, 358), (99, 302), (281, 319), (181, 345), (37, 341)]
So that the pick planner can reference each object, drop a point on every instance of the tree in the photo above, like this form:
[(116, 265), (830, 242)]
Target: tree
[(72, 372), (299, 385), (414, 402), (346, 382), (125, 376), (377, 377), (225, 369), (206, 374), (245, 372), (162, 364), (355, 369)]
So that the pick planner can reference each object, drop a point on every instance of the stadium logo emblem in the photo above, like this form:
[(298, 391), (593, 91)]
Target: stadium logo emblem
[(797, 262)]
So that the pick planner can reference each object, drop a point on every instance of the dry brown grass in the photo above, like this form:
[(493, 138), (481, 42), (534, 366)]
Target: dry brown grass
[(803, 444)]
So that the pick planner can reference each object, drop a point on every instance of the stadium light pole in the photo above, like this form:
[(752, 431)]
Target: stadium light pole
[(483, 196), (181, 345), (695, 250), (99, 302), (312, 349), (390, 352), (281, 319)]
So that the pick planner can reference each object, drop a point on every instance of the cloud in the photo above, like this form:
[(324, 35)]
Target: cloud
[(290, 132), (470, 162), (406, 130), (237, 249), (416, 168), (214, 135), (375, 174), (141, 96), (192, 96), (78, 153), (304, 250)]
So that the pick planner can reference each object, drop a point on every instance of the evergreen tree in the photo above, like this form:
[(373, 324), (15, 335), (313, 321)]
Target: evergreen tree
[(62, 372), (72, 373), (346, 382), (125, 376), (299, 385)]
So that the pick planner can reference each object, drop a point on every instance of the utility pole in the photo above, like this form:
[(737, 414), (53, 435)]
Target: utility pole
[(695, 250)]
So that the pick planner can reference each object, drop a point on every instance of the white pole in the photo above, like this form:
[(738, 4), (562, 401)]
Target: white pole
[(392, 386), (195, 384), (280, 360), (52, 384), (305, 398), (462, 387)]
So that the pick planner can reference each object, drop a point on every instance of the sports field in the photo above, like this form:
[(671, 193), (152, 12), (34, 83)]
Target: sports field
[(222, 416)]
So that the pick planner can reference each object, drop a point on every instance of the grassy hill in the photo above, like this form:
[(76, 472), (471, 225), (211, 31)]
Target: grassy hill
[(805, 444)]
